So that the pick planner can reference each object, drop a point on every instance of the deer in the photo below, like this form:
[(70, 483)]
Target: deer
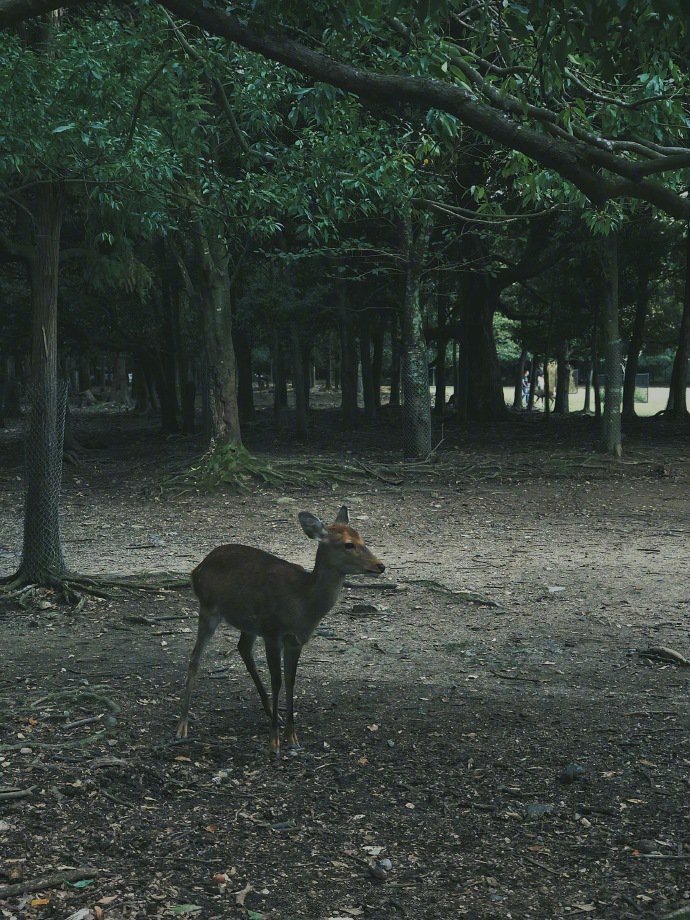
[(260, 594)]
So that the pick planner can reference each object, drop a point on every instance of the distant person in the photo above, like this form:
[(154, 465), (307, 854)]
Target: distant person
[(525, 388)]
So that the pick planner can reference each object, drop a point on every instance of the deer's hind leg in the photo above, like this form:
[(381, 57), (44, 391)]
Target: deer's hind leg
[(245, 647), (208, 623)]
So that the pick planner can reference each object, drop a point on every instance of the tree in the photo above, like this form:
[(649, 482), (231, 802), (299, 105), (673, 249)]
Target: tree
[(612, 442), (677, 397), (67, 141)]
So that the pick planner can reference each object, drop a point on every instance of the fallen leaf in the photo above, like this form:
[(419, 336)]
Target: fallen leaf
[(242, 894), (183, 759), (373, 851), (40, 902), (108, 899), (182, 909)]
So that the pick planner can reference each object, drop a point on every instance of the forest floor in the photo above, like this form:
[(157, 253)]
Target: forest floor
[(483, 734)]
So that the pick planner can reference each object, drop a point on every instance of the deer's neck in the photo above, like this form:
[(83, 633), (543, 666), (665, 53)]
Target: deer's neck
[(325, 584)]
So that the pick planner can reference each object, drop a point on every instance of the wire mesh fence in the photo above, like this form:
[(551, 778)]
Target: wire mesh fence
[(416, 404), (43, 445)]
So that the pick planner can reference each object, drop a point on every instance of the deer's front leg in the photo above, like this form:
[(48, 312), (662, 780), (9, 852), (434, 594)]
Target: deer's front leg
[(293, 649), (273, 656)]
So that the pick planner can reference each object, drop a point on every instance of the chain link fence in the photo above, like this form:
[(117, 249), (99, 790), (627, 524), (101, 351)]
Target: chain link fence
[(44, 429), (416, 400)]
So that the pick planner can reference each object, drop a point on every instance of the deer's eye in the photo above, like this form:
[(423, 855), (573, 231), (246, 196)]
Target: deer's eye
[(349, 545)]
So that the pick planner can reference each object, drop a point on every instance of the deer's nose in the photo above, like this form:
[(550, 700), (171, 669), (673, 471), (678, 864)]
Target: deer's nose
[(381, 567)]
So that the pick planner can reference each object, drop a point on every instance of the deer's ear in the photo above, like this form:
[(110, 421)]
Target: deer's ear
[(312, 526), (343, 516)]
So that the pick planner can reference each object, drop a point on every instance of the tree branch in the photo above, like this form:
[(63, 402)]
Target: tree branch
[(578, 160), (222, 95), (564, 155)]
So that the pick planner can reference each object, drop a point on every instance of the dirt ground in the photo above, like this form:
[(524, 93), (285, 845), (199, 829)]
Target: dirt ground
[(481, 736)]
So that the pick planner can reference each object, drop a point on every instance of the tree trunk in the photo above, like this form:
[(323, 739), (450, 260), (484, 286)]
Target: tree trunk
[(348, 364), (562, 406), (485, 400), (441, 377), (280, 399), (329, 382), (219, 350), (547, 388), (677, 406), (462, 382), (83, 374), (377, 365), (367, 366), (4, 362), (245, 382), (298, 383), (532, 382), (308, 369), (120, 381), (519, 376), (164, 376), (13, 389), (441, 348), (594, 360), (396, 362), (611, 432), (415, 371), (42, 559), (636, 339), (140, 390)]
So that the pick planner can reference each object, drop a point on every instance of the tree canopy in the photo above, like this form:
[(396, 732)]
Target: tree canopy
[(596, 94)]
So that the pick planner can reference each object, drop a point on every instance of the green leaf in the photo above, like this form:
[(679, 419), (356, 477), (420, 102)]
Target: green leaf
[(62, 128), (255, 915), (82, 883)]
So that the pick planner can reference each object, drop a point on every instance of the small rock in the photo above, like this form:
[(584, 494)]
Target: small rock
[(385, 864), (572, 773), (364, 609), (378, 873), (538, 810), (648, 846)]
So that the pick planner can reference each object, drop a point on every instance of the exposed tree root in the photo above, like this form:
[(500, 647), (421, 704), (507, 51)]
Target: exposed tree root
[(61, 746), (469, 597), (233, 466), (89, 693), (74, 589), (47, 881)]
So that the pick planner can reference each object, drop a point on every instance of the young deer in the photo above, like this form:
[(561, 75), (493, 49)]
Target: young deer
[(262, 595)]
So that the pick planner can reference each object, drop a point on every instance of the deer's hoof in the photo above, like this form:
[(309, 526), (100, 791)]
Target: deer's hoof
[(292, 742)]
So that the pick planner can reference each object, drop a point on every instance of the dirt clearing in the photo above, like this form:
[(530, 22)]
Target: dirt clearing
[(481, 735)]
